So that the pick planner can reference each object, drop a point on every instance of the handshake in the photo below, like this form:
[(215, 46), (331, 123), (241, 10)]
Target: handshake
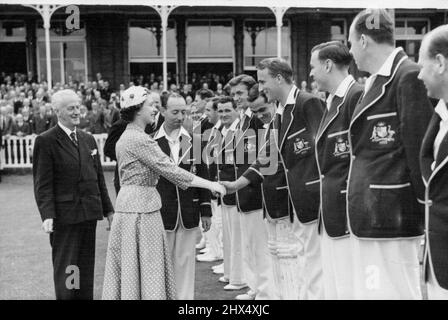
[(228, 187)]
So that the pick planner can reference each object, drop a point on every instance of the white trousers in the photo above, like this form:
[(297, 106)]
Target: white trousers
[(182, 244), (386, 269), (233, 259), (310, 261), (256, 258), (284, 247), (337, 274), (435, 292), (214, 235)]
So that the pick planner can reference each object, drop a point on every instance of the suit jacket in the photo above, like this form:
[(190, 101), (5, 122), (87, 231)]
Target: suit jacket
[(191, 203), (6, 125), (436, 202), (41, 124), (333, 159), (295, 185), (68, 181), (246, 150), (386, 132)]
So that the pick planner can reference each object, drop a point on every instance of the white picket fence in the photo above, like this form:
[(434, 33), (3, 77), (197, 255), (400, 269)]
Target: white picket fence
[(17, 152)]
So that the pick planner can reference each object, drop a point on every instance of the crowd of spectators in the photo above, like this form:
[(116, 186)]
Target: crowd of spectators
[(25, 107)]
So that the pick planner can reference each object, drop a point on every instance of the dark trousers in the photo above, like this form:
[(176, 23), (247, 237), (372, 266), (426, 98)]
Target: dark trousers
[(73, 253)]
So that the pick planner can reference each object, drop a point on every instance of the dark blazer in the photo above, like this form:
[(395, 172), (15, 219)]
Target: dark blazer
[(203, 125), (296, 181), (436, 202), (225, 163), (333, 159), (246, 150), (386, 132), (68, 182), (192, 202)]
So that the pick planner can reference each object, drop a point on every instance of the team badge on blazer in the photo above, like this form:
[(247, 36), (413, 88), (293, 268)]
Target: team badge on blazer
[(341, 148), (301, 146), (382, 133)]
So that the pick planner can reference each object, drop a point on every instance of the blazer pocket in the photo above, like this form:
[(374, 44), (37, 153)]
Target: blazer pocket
[(64, 198)]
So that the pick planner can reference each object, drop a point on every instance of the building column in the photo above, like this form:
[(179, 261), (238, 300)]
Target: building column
[(31, 45), (279, 12), (181, 37), (239, 45), (295, 27)]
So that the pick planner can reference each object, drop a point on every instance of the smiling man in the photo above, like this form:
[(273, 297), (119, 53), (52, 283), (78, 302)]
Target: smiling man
[(71, 196), (385, 188), (433, 61)]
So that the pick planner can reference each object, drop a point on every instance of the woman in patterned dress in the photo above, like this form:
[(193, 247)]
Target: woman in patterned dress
[(138, 264)]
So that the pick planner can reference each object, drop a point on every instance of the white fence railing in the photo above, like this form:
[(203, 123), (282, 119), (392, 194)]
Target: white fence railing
[(17, 152)]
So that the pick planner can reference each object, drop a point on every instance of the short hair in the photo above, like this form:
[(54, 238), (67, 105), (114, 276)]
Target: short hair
[(226, 99), (336, 51), (377, 24), (215, 101), (128, 114), (255, 93), (205, 93), (58, 98), (438, 41), (277, 66), (176, 96), (244, 79)]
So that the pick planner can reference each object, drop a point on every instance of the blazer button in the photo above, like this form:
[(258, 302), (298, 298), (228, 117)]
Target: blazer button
[(353, 157), (322, 176), (429, 203)]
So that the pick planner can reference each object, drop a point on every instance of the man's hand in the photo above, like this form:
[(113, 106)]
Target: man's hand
[(230, 186), (110, 218), (206, 223), (47, 225), (216, 187)]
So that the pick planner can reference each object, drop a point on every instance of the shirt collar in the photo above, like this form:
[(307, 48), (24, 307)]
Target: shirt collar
[(386, 68), (232, 126), (442, 110), (162, 133), (290, 100), (341, 90), (66, 130), (218, 124)]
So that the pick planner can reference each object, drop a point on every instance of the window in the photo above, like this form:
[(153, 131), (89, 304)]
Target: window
[(68, 53), (409, 33), (339, 30), (13, 51), (260, 41)]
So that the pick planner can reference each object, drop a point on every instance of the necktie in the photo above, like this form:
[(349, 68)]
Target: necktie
[(278, 123), (74, 140)]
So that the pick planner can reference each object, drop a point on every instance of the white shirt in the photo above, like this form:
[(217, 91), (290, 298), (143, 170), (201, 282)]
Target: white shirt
[(232, 127), (243, 115), (174, 143), (385, 70), (290, 100), (341, 91), (67, 130), (442, 111)]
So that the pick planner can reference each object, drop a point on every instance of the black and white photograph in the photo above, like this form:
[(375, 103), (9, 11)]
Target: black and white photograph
[(239, 151)]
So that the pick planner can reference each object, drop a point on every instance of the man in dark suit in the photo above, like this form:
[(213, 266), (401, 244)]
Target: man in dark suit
[(182, 209), (385, 186), (286, 166), (117, 130), (71, 196), (433, 60), (329, 63)]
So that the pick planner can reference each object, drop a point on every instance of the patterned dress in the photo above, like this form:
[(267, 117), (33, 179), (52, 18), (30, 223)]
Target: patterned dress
[(138, 263)]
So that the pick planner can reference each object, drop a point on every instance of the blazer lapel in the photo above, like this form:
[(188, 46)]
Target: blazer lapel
[(378, 88), (84, 150), (244, 128), (66, 144), (185, 144), (427, 149), (164, 145), (287, 120), (443, 150)]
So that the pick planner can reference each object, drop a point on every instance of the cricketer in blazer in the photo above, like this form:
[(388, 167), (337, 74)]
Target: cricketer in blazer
[(191, 203), (436, 203), (69, 184), (333, 159), (386, 131), (295, 184), (246, 149)]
